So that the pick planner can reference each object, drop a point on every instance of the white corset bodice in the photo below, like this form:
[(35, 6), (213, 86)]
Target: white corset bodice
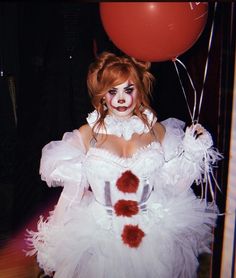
[(104, 168)]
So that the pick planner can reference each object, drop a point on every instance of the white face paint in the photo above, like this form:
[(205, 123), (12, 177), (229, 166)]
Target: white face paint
[(121, 100)]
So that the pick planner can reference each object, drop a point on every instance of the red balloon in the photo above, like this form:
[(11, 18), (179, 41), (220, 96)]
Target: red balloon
[(154, 31)]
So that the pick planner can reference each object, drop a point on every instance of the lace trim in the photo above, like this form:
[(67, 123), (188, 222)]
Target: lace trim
[(150, 147)]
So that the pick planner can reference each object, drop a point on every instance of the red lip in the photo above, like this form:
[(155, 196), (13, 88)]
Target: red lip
[(121, 108)]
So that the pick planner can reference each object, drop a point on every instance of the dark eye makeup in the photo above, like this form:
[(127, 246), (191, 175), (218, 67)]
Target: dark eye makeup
[(128, 90), (112, 92)]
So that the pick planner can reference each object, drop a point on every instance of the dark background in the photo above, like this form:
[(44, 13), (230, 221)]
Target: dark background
[(45, 50)]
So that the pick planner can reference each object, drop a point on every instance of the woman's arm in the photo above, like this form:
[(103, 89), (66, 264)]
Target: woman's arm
[(62, 165), (190, 157)]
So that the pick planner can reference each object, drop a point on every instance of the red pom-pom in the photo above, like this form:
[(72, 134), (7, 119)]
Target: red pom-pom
[(132, 235), (126, 208), (128, 182)]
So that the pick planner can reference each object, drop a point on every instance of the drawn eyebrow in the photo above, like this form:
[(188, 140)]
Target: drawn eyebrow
[(127, 87)]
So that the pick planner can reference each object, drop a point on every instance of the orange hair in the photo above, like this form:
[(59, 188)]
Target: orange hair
[(109, 71)]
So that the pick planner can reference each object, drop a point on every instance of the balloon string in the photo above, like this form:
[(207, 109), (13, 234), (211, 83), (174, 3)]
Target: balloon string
[(194, 89), (207, 62), (192, 114)]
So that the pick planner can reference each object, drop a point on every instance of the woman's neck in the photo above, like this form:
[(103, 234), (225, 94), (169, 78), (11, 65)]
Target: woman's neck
[(121, 127)]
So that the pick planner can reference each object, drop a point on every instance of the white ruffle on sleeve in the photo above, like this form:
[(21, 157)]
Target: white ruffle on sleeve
[(61, 160), (62, 165), (188, 158), (172, 143)]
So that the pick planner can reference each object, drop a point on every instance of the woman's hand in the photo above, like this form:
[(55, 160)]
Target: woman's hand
[(197, 137), (197, 130)]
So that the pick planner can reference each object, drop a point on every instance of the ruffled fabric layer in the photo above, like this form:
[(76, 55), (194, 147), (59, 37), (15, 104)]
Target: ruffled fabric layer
[(89, 244), (122, 128), (189, 158), (84, 239)]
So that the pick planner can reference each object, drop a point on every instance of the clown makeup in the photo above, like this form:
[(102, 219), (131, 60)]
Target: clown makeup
[(121, 100)]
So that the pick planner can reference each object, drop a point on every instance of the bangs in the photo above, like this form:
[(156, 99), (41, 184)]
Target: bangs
[(116, 75)]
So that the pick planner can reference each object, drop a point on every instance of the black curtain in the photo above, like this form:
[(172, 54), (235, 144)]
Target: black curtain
[(57, 42)]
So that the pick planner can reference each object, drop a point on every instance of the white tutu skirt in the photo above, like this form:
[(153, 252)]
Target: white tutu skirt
[(88, 242)]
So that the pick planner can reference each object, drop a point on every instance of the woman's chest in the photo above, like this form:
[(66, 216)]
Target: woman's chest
[(102, 163), (121, 147)]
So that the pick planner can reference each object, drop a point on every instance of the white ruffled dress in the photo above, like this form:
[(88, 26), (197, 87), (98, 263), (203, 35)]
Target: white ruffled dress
[(133, 217)]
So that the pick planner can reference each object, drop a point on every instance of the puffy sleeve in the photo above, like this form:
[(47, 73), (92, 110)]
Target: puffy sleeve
[(62, 165), (188, 158)]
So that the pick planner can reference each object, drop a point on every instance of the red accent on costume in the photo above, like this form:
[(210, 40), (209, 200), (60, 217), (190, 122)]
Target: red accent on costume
[(132, 235), (126, 208), (128, 182)]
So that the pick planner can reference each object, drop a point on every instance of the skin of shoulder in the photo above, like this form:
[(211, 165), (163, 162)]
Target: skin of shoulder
[(159, 131), (86, 134)]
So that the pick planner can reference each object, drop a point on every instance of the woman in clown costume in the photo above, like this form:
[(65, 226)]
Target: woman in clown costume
[(127, 208)]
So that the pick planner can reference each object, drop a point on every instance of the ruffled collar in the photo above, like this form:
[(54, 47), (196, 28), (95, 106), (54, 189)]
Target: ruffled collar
[(122, 128)]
